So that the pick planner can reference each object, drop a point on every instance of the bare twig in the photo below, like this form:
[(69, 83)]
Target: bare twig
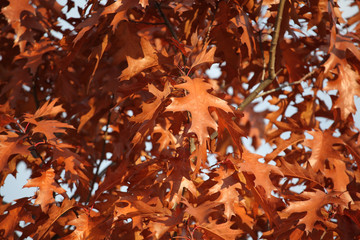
[(262, 54), (102, 157), (147, 23), (169, 27), (211, 23), (272, 74), (34, 92), (287, 84)]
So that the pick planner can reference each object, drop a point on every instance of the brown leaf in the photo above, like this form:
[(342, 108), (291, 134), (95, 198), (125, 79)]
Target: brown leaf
[(11, 144), (260, 170), (197, 102), (15, 213), (312, 204), (222, 231), (13, 14), (48, 109), (201, 211), (136, 66), (204, 57), (49, 128)]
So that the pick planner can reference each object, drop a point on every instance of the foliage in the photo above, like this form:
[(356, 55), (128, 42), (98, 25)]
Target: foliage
[(113, 102)]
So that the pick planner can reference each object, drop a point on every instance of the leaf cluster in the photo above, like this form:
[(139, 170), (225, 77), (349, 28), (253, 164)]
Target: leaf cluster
[(112, 108)]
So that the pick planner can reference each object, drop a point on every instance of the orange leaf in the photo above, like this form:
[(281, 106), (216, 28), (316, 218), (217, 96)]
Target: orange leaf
[(197, 102), (47, 185)]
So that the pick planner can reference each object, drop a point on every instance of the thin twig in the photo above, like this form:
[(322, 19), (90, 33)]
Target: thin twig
[(272, 74), (102, 157), (262, 54), (286, 85), (170, 27), (34, 92), (147, 23), (211, 23)]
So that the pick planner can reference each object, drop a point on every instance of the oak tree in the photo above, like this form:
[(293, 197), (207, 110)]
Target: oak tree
[(128, 136)]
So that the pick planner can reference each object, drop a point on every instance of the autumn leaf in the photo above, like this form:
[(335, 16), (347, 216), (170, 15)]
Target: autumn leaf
[(197, 102), (49, 128), (48, 109), (147, 117), (11, 144), (13, 14), (34, 55), (10, 220), (98, 53), (260, 170), (312, 204), (221, 231), (47, 185), (322, 148), (348, 85), (204, 56), (54, 213), (135, 66), (201, 211)]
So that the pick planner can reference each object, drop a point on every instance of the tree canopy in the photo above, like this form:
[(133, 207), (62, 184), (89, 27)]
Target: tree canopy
[(128, 136)]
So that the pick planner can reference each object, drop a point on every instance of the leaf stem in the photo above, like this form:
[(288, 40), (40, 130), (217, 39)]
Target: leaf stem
[(102, 157), (272, 74)]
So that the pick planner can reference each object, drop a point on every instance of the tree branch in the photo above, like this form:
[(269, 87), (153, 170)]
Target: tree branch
[(102, 157), (286, 85), (272, 74)]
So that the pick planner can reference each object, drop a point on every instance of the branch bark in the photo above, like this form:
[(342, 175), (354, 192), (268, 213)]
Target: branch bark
[(272, 74), (287, 84)]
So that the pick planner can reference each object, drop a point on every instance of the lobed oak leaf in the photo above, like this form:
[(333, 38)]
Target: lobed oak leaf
[(204, 57), (135, 66), (166, 140), (47, 185), (348, 85), (49, 128), (48, 109), (226, 183), (226, 121), (149, 112), (242, 20), (322, 148), (201, 211), (54, 213), (15, 213), (97, 53), (260, 170), (197, 102), (220, 231), (11, 144), (13, 14), (149, 109), (120, 9), (312, 204), (35, 54), (87, 226)]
